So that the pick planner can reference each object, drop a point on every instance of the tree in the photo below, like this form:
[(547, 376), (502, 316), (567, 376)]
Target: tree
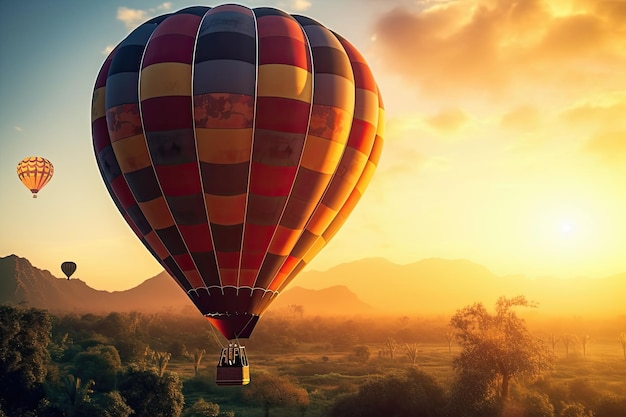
[(412, 352), (100, 364), (499, 347), (272, 391), (554, 340), (569, 341), (113, 405), (575, 410), (302, 400), (296, 310), (78, 396), (390, 346), (474, 393), (196, 358), (151, 395), (538, 405), (449, 339), (24, 357), (361, 353), (202, 408), (622, 340), (409, 393), (584, 341)]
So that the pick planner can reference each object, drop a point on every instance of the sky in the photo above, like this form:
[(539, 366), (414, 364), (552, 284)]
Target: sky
[(505, 138)]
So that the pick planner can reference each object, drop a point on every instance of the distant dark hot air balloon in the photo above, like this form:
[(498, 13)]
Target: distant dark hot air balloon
[(235, 142), (68, 268), (35, 172)]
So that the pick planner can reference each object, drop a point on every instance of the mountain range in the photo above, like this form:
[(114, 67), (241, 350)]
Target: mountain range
[(368, 286)]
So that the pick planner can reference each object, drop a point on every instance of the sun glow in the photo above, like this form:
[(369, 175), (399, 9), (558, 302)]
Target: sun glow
[(566, 227)]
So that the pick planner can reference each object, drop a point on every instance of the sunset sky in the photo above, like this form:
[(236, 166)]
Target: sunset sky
[(505, 140)]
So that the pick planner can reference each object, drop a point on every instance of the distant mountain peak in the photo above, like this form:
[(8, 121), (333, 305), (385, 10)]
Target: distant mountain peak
[(429, 286)]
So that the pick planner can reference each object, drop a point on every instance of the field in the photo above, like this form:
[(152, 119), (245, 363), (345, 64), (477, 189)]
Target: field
[(328, 374)]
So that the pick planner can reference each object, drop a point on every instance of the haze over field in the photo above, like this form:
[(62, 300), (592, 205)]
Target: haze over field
[(505, 140), (360, 288)]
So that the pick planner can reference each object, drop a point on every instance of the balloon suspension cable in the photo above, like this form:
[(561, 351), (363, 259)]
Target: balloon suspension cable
[(247, 324), (216, 337)]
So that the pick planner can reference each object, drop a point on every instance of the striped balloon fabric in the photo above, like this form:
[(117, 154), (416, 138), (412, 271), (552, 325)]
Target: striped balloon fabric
[(235, 142), (68, 268), (35, 172)]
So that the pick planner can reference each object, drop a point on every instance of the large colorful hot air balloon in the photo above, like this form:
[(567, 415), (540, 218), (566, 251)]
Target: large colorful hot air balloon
[(68, 268), (35, 172), (235, 142)]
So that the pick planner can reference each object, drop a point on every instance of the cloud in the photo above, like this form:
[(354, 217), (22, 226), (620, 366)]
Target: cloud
[(18, 128), (608, 115), (107, 50), (295, 5), (525, 117), (491, 48), (448, 121), (609, 146), (134, 17)]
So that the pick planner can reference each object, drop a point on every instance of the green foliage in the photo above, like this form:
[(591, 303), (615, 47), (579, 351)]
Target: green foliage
[(499, 346), (473, 394), (24, 357), (100, 364), (79, 346), (361, 353), (575, 410), (151, 395), (131, 350), (412, 393), (178, 349), (610, 406), (272, 391), (202, 408), (113, 405), (538, 405)]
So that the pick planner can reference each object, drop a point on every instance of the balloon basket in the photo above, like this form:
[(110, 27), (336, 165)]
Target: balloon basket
[(233, 367)]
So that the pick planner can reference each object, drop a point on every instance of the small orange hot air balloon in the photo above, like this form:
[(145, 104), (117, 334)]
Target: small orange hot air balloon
[(35, 172)]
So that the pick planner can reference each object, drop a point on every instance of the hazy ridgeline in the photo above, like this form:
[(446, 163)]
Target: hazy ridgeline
[(317, 366)]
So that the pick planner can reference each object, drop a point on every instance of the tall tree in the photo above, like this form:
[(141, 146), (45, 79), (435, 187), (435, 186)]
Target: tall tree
[(390, 346), (449, 339), (24, 357), (569, 341), (584, 341), (622, 340), (196, 358), (412, 352), (554, 340), (498, 346)]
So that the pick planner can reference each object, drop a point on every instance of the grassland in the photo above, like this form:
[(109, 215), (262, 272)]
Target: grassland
[(326, 375)]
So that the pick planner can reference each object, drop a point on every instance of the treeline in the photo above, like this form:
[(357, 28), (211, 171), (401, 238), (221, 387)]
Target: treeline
[(132, 364)]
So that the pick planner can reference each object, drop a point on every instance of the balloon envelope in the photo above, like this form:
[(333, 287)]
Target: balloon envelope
[(235, 142), (68, 268), (35, 172)]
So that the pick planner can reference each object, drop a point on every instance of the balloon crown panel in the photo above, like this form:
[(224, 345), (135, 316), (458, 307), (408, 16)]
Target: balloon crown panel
[(235, 142)]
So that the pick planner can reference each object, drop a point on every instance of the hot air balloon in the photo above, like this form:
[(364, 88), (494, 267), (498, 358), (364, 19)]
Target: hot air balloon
[(35, 172), (68, 268), (235, 142)]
